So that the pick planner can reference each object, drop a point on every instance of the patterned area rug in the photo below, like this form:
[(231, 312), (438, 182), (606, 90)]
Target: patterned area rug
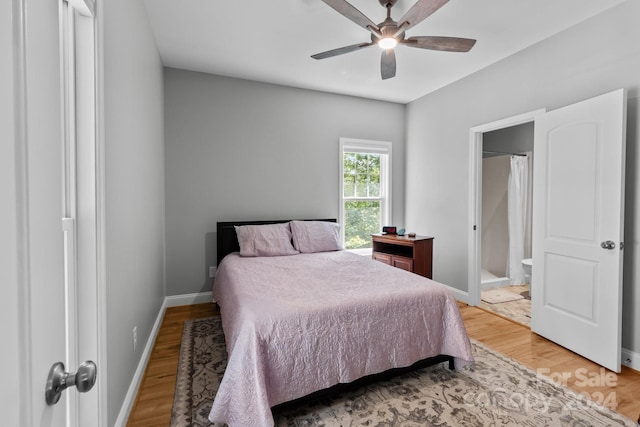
[(494, 391)]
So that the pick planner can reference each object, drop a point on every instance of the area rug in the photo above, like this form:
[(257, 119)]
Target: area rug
[(499, 295), (494, 391), (518, 310)]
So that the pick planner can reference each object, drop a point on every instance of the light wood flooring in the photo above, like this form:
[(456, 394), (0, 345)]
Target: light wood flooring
[(155, 397)]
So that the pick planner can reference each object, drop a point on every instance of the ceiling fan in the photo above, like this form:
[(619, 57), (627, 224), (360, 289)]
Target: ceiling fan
[(389, 33)]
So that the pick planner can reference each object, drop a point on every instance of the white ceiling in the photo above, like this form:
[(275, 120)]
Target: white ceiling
[(272, 41)]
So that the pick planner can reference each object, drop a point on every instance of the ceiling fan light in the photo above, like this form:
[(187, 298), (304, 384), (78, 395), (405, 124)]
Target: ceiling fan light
[(387, 43)]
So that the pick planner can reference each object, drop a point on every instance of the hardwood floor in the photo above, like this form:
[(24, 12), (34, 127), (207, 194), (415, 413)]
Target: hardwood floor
[(155, 397), (620, 392)]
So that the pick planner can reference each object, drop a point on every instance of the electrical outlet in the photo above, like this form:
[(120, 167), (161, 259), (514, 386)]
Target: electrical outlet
[(212, 271), (627, 360), (135, 337)]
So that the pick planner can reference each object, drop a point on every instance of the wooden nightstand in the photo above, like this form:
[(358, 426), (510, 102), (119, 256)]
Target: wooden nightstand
[(413, 254)]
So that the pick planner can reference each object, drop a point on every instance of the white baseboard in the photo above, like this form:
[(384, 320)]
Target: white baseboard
[(459, 295), (130, 398), (631, 359), (170, 301), (188, 299), (494, 283)]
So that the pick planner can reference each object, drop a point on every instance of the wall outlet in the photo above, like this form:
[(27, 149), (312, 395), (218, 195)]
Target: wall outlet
[(135, 337), (212, 271)]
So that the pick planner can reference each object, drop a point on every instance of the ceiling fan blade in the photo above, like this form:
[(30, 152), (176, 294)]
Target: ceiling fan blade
[(447, 44), (348, 10), (388, 64), (341, 50), (420, 11)]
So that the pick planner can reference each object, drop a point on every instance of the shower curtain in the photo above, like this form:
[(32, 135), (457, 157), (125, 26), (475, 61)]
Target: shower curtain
[(517, 216)]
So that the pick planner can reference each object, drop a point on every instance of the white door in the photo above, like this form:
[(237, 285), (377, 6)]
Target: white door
[(578, 207), (40, 206), (45, 189)]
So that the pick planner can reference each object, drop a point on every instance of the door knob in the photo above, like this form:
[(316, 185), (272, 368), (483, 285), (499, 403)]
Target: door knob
[(59, 380), (608, 245)]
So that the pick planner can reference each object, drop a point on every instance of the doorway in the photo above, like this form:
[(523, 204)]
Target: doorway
[(494, 137), (505, 231)]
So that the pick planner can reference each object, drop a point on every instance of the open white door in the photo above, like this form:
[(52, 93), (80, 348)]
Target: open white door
[(38, 203), (578, 208), (51, 206)]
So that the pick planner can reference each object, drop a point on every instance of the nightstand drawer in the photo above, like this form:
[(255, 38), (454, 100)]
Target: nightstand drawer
[(402, 263), (384, 258)]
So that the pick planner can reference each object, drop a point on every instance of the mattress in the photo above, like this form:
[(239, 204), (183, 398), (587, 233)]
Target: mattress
[(301, 323)]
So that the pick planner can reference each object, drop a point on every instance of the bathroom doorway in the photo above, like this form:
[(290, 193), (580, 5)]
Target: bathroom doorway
[(505, 232), (492, 147)]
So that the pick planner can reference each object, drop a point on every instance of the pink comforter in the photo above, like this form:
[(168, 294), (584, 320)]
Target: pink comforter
[(297, 324)]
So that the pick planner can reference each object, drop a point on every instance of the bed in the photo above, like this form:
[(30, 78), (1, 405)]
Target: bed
[(302, 322)]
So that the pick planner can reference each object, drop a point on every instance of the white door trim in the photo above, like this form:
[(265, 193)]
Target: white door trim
[(96, 172), (475, 195), (101, 233), (86, 310), (23, 283)]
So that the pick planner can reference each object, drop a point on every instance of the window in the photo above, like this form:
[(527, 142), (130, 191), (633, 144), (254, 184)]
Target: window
[(365, 196)]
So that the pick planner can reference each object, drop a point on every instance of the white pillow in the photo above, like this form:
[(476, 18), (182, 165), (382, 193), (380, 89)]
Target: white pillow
[(265, 240), (316, 236)]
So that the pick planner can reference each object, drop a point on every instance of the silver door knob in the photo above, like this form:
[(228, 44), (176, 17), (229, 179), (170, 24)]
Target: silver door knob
[(59, 380), (608, 245)]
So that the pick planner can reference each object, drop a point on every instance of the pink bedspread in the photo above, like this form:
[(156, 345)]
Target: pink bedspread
[(297, 324)]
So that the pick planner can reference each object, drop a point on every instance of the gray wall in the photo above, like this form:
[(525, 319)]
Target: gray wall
[(592, 58), (514, 139), (495, 214), (134, 189), (241, 150)]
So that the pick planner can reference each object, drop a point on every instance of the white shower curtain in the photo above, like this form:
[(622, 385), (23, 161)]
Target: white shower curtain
[(517, 214)]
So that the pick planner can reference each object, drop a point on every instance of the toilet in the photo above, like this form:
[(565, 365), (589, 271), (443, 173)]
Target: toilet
[(526, 266)]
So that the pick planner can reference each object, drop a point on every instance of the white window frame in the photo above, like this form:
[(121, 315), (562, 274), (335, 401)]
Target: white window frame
[(384, 148)]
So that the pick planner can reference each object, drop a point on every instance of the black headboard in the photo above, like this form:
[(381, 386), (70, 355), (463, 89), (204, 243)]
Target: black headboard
[(228, 240)]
